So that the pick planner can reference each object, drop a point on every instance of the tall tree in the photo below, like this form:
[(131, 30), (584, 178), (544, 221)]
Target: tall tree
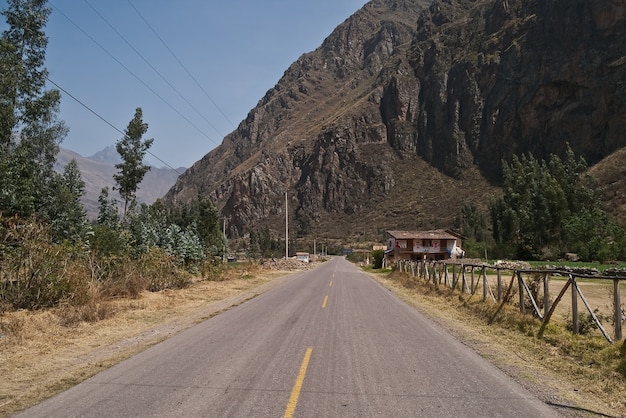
[(68, 217), (132, 150), (471, 222), (29, 129)]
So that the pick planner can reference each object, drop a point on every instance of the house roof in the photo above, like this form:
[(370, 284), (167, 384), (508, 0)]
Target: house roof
[(434, 234)]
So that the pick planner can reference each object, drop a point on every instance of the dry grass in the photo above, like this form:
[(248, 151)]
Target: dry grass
[(580, 373), (45, 352)]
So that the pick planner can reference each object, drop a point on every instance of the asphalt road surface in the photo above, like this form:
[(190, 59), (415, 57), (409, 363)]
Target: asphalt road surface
[(330, 342)]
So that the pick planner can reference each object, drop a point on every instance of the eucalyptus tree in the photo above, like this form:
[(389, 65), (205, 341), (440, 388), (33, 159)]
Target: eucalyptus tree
[(30, 131), (107, 210), (67, 214), (132, 149)]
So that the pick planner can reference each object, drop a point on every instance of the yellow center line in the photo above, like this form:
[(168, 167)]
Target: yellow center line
[(331, 283), (297, 387), (325, 300)]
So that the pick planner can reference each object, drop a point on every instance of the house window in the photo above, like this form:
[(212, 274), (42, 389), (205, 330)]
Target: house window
[(427, 243)]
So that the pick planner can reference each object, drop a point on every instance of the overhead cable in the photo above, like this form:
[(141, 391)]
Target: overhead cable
[(135, 76), (153, 68), (181, 64), (104, 120)]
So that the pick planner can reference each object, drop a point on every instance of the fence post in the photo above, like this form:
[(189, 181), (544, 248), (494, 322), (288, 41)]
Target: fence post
[(520, 285), (617, 314), (575, 328), (499, 285), (472, 288), (463, 279), (455, 279), (546, 293), (485, 284)]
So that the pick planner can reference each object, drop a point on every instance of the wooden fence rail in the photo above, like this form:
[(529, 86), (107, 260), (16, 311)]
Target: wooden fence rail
[(438, 272)]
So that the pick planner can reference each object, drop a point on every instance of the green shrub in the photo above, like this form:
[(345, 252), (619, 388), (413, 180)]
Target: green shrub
[(377, 259), (110, 241), (586, 323)]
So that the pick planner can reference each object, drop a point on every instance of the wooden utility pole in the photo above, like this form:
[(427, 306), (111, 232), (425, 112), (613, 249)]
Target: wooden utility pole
[(286, 228)]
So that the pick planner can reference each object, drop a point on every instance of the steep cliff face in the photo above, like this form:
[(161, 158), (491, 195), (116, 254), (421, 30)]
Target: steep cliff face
[(307, 135), (504, 77), (459, 84)]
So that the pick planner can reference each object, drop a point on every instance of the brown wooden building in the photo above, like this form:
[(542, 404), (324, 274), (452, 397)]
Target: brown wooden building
[(439, 244)]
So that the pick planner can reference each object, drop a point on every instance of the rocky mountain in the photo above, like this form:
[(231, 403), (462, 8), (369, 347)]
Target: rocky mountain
[(97, 172), (407, 109), (107, 155)]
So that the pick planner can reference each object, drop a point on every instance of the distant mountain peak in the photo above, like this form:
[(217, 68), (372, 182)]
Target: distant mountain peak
[(108, 155)]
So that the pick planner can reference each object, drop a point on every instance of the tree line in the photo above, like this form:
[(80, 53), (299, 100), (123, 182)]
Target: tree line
[(49, 250), (547, 209)]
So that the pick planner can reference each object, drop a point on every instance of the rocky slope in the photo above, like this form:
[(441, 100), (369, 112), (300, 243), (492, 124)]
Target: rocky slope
[(407, 109)]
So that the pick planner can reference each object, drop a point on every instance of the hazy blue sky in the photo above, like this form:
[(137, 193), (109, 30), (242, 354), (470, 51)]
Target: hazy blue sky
[(235, 49)]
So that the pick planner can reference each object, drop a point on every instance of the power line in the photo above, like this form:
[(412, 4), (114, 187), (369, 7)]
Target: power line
[(153, 68), (134, 75), (104, 120), (181, 64)]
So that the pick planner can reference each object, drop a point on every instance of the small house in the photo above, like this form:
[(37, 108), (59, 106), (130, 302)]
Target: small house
[(439, 244)]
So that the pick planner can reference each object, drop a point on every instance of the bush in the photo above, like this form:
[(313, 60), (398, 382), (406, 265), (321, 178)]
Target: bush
[(109, 241), (586, 324), (159, 271), (377, 259), (93, 311), (36, 273)]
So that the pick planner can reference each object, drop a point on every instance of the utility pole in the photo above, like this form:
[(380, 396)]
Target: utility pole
[(224, 232), (286, 228)]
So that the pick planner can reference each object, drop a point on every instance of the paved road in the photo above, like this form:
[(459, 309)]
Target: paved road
[(330, 342)]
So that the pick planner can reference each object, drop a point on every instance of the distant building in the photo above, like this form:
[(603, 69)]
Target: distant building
[(304, 257), (437, 244)]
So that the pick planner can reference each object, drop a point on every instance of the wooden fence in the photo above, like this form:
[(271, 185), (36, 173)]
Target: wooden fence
[(439, 273)]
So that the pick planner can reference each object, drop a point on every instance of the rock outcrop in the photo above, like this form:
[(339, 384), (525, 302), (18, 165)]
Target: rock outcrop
[(407, 109)]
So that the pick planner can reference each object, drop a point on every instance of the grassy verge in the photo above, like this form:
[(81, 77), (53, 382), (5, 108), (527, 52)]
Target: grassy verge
[(581, 375)]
